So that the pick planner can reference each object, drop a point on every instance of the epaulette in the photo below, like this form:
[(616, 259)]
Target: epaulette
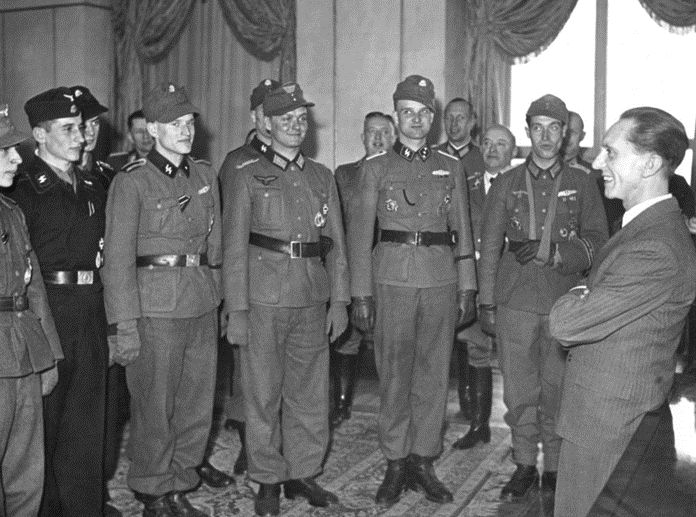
[(581, 167), (376, 155), (104, 165), (133, 165), (201, 160), (447, 154)]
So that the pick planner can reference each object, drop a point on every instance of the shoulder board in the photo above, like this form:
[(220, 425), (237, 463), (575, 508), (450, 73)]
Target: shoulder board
[(104, 165), (134, 165), (201, 160), (376, 155), (581, 167), (447, 154)]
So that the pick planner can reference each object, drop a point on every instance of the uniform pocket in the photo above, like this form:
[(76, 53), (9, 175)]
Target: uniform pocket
[(162, 215), (266, 268), (267, 207)]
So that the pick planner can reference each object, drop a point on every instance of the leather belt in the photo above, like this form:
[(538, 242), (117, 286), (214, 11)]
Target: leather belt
[(296, 249), (190, 260), (15, 303), (419, 238), (87, 277)]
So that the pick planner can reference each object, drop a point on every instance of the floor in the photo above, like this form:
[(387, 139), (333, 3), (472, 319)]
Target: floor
[(355, 467)]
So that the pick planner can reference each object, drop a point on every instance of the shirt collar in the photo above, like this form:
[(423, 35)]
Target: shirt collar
[(460, 151), (535, 170), (276, 159), (635, 211), (165, 166), (409, 154)]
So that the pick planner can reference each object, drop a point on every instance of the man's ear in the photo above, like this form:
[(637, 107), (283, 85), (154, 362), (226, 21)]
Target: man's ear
[(267, 123), (654, 163), (152, 129), (39, 134)]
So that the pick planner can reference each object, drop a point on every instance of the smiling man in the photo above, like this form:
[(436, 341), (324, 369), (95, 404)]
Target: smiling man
[(162, 290), (549, 220), (460, 120)]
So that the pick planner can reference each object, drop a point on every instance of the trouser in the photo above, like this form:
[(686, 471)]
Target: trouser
[(285, 381), (74, 411), (171, 383), (234, 409), (479, 346), (21, 445), (116, 417), (413, 344), (532, 364)]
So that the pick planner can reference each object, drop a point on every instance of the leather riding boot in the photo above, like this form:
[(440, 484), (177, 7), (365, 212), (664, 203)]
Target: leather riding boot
[(180, 506), (267, 500), (214, 477), (523, 481), (480, 431), (310, 490), (464, 385), (393, 484), (240, 465), (421, 478), (343, 386), (154, 505)]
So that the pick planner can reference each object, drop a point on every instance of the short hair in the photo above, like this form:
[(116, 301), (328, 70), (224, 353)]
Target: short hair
[(513, 140), (472, 112), (656, 131), (582, 122), (379, 114), (133, 116)]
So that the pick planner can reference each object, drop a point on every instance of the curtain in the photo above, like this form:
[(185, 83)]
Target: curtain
[(501, 33), (677, 15)]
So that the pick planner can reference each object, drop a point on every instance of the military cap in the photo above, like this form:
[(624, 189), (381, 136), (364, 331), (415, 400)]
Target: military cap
[(416, 88), (260, 92), (88, 104), (286, 98), (50, 105), (9, 136), (549, 106), (166, 103)]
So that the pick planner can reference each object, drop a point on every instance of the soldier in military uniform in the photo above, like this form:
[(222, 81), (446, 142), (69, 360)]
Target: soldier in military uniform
[(64, 209), (551, 216), (420, 273), (378, 135), (29, 346), (284, 259), (499, 147), (138, 137), (259, 142), (460, 120), (162, 291)]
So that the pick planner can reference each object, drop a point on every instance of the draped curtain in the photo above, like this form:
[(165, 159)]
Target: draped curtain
[(218, 50), (677, 15), (501, 33)]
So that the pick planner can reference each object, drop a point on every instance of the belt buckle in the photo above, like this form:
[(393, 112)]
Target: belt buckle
[(193, 260), (419, 238), (20, 302), (295, 249), (85, 277)]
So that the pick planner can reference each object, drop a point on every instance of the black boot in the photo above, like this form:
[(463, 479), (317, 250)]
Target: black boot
[(393, 484), (464, 387), (482, 383), (240, 465), (422, 478), (343, 386), (521, 484)]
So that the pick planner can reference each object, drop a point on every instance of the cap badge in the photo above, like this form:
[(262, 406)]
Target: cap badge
[(68, 96), (422, 83), (78, 93), (267, 82), (172, 88)]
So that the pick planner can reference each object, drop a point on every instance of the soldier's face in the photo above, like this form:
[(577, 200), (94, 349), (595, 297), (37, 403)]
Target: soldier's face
[(574, 136), (546, 134), (9, 161), (61, 138), (497, 149), (414, 119), (622, 165), (142, 140), (176, 136), (458, 122), (378, 135), (289, 129), (91, 133)]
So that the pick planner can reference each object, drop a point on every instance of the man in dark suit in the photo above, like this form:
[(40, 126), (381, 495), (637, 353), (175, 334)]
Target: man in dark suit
[(624, 326)]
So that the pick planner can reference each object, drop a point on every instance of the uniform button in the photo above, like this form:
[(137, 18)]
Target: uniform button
[(295, 184), (189, 219), (517, 210), (543, 193), (259, 257), (421, 194), (420, 214), (542, 227), (159, 205), (299, 235), (265, 194), (543, 210), (297, 201), (16, 273), (299, 217), (391, 188)]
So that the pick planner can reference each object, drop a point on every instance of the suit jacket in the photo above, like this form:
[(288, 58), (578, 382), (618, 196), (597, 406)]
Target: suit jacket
[(624, 332)]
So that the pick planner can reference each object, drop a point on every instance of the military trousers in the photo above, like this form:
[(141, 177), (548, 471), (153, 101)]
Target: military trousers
[(413, 345), (532, 363), (479, 346), (74, 410), (21, 445), (285, 381), (171, 384), (234, 407)]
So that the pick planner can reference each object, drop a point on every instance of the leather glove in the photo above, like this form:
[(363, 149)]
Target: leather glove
[(336, 320), (363, 313), (49, 379), (466, 302), (527, 251), (238, 328), (125, 344), (487, 319)]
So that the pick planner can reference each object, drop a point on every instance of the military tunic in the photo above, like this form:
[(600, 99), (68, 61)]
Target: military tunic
[(532, 362), (285, 365), (469, 155), (415, 287), (66, 227), (155, 208), (29, 344)]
